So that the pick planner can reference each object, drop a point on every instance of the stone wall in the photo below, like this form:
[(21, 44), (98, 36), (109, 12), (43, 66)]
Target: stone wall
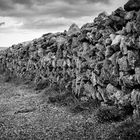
[(100, 60)]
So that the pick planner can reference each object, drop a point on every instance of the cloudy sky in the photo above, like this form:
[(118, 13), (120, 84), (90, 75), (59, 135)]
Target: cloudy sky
[(22, 20)]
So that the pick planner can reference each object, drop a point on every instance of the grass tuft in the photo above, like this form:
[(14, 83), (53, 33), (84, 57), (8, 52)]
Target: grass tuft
[(128, 130)]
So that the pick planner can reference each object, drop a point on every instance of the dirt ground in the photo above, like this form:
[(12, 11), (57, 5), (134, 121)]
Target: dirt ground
[(26, 115)]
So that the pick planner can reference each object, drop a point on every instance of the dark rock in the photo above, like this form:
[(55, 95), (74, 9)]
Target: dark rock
[(132, 5), (128, 81), (129, 15), (119, 12), (109, 51), (42, 85), (108, 114)]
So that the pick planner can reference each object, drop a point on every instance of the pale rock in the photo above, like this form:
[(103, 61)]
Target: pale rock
[(132, 58), (123, 45), (60, 40), (135, 97), (123, 64), (94, 79), (129, 27), (108, 41), (129, 15), (74, 29), (112, 36), (116, 40), (137, 74)]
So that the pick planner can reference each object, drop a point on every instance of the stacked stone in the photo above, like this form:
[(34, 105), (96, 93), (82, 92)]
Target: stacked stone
[(99, 61)]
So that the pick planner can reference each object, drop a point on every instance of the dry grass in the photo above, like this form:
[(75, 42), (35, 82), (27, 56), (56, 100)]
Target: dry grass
[(127, 130)]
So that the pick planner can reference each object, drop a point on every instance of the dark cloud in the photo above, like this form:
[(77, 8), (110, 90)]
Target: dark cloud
[(27, 3), (28, 19), (2, 23), (32, 11), (72, 12), (5, 5), (8, 5), (68, 9)]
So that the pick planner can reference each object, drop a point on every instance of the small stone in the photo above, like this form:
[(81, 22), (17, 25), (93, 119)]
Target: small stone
[(112, 36), (113, 92), (129, 27), (129, 15), (60, 40), (137, 74), (108, 41), (109, 51), (84, 99), (123, 45), (111, 89), (126, 99), (128, 81), (133, 57), (40, 52), (103, 93), (135, 97), (116, 40)]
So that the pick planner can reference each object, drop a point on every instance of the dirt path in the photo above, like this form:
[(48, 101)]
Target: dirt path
[(25, 114)]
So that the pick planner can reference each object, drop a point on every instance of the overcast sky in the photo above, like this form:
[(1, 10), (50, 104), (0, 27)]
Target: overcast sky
[(23, 20)]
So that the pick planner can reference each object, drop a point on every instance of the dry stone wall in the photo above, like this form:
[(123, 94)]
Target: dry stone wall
[(100, 60)]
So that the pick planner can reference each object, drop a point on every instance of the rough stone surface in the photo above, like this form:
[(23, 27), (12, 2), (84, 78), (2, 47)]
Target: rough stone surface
[(132, 5)]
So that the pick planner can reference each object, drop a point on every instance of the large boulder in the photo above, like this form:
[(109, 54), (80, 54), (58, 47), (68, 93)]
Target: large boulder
[(132, 5), (73, 30), (114, 93), (128, 81), (123, 64), (137, 74), (129, 15), (133, 57)]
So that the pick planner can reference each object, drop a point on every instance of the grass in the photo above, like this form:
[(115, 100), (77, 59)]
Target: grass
[(108, 114), (42, 85), (113, 113), (73, 104), (127, 130)]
